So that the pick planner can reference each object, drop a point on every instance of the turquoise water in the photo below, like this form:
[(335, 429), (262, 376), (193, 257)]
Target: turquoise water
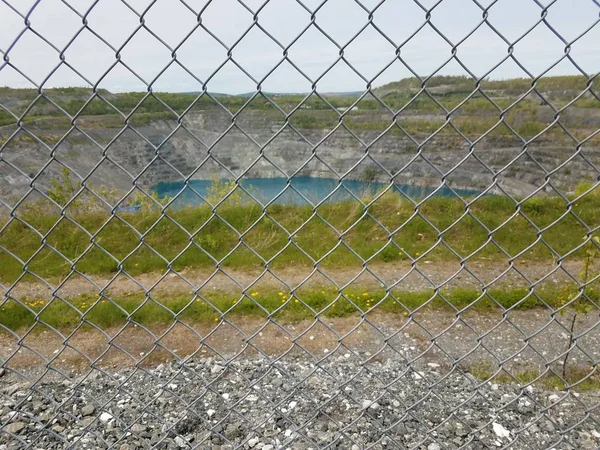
[(313, 189)]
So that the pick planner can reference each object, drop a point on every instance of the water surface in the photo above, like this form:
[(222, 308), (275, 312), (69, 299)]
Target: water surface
[(301, 190)]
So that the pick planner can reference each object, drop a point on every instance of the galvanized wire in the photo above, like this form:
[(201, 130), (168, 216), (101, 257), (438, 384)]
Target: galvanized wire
[(258, 151)]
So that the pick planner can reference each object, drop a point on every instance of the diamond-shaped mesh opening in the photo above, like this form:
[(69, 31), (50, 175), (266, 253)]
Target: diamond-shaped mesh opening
[(299, 54), (79, 61)]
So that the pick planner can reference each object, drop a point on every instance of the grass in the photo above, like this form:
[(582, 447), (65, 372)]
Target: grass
[(244, 237), (299, 305), (576, 378)]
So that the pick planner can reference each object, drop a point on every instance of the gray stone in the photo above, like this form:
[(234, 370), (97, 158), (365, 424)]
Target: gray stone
[(46, 416), (88, 410), (138, 428), (15, 427), (216, 369), (87, 421), (232, 431), (58, 428), (549, 426)]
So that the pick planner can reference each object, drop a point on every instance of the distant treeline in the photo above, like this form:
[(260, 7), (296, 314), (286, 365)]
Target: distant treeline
[(447, 92)]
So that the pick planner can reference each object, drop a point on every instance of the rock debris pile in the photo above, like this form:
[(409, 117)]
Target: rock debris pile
[(292, 403)]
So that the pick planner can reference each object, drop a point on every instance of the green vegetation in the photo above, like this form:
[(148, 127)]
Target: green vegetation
[(244, 236), (576, 379), (422, 114), (579, 304), (512, 86), (302, 304)]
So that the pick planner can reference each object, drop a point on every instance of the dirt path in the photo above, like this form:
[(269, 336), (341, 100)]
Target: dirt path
[(519, 341), (403, 276)]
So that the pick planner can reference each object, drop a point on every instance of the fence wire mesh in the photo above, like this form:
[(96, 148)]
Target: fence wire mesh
[(413, 266)]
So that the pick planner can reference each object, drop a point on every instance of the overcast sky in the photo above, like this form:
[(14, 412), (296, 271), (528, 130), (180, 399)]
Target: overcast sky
[(285, 20)]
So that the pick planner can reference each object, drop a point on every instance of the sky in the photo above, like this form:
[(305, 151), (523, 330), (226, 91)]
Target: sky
[(226, 27)]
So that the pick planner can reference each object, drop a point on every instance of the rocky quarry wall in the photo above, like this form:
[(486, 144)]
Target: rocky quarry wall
[(208, 145)]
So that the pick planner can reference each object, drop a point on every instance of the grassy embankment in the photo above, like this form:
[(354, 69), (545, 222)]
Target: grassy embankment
[(243, 237)]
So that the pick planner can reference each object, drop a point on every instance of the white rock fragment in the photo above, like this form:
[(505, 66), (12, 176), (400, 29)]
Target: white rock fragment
[(369, 404), (225, 396), (210, 413), (553, 398), (433, 366), (293, 404), (500, 430), (181, 442), (105, 417), (216, 369)]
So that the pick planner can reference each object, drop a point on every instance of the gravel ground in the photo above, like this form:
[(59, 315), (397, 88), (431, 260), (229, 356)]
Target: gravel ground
[(347, 400), (519, 340)]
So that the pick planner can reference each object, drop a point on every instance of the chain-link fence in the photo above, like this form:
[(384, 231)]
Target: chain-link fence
[(399, 249)]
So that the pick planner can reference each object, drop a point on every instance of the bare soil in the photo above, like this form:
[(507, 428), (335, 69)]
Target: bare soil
[(532, 340)]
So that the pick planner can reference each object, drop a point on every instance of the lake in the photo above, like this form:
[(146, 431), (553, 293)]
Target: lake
[(314, 189)]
